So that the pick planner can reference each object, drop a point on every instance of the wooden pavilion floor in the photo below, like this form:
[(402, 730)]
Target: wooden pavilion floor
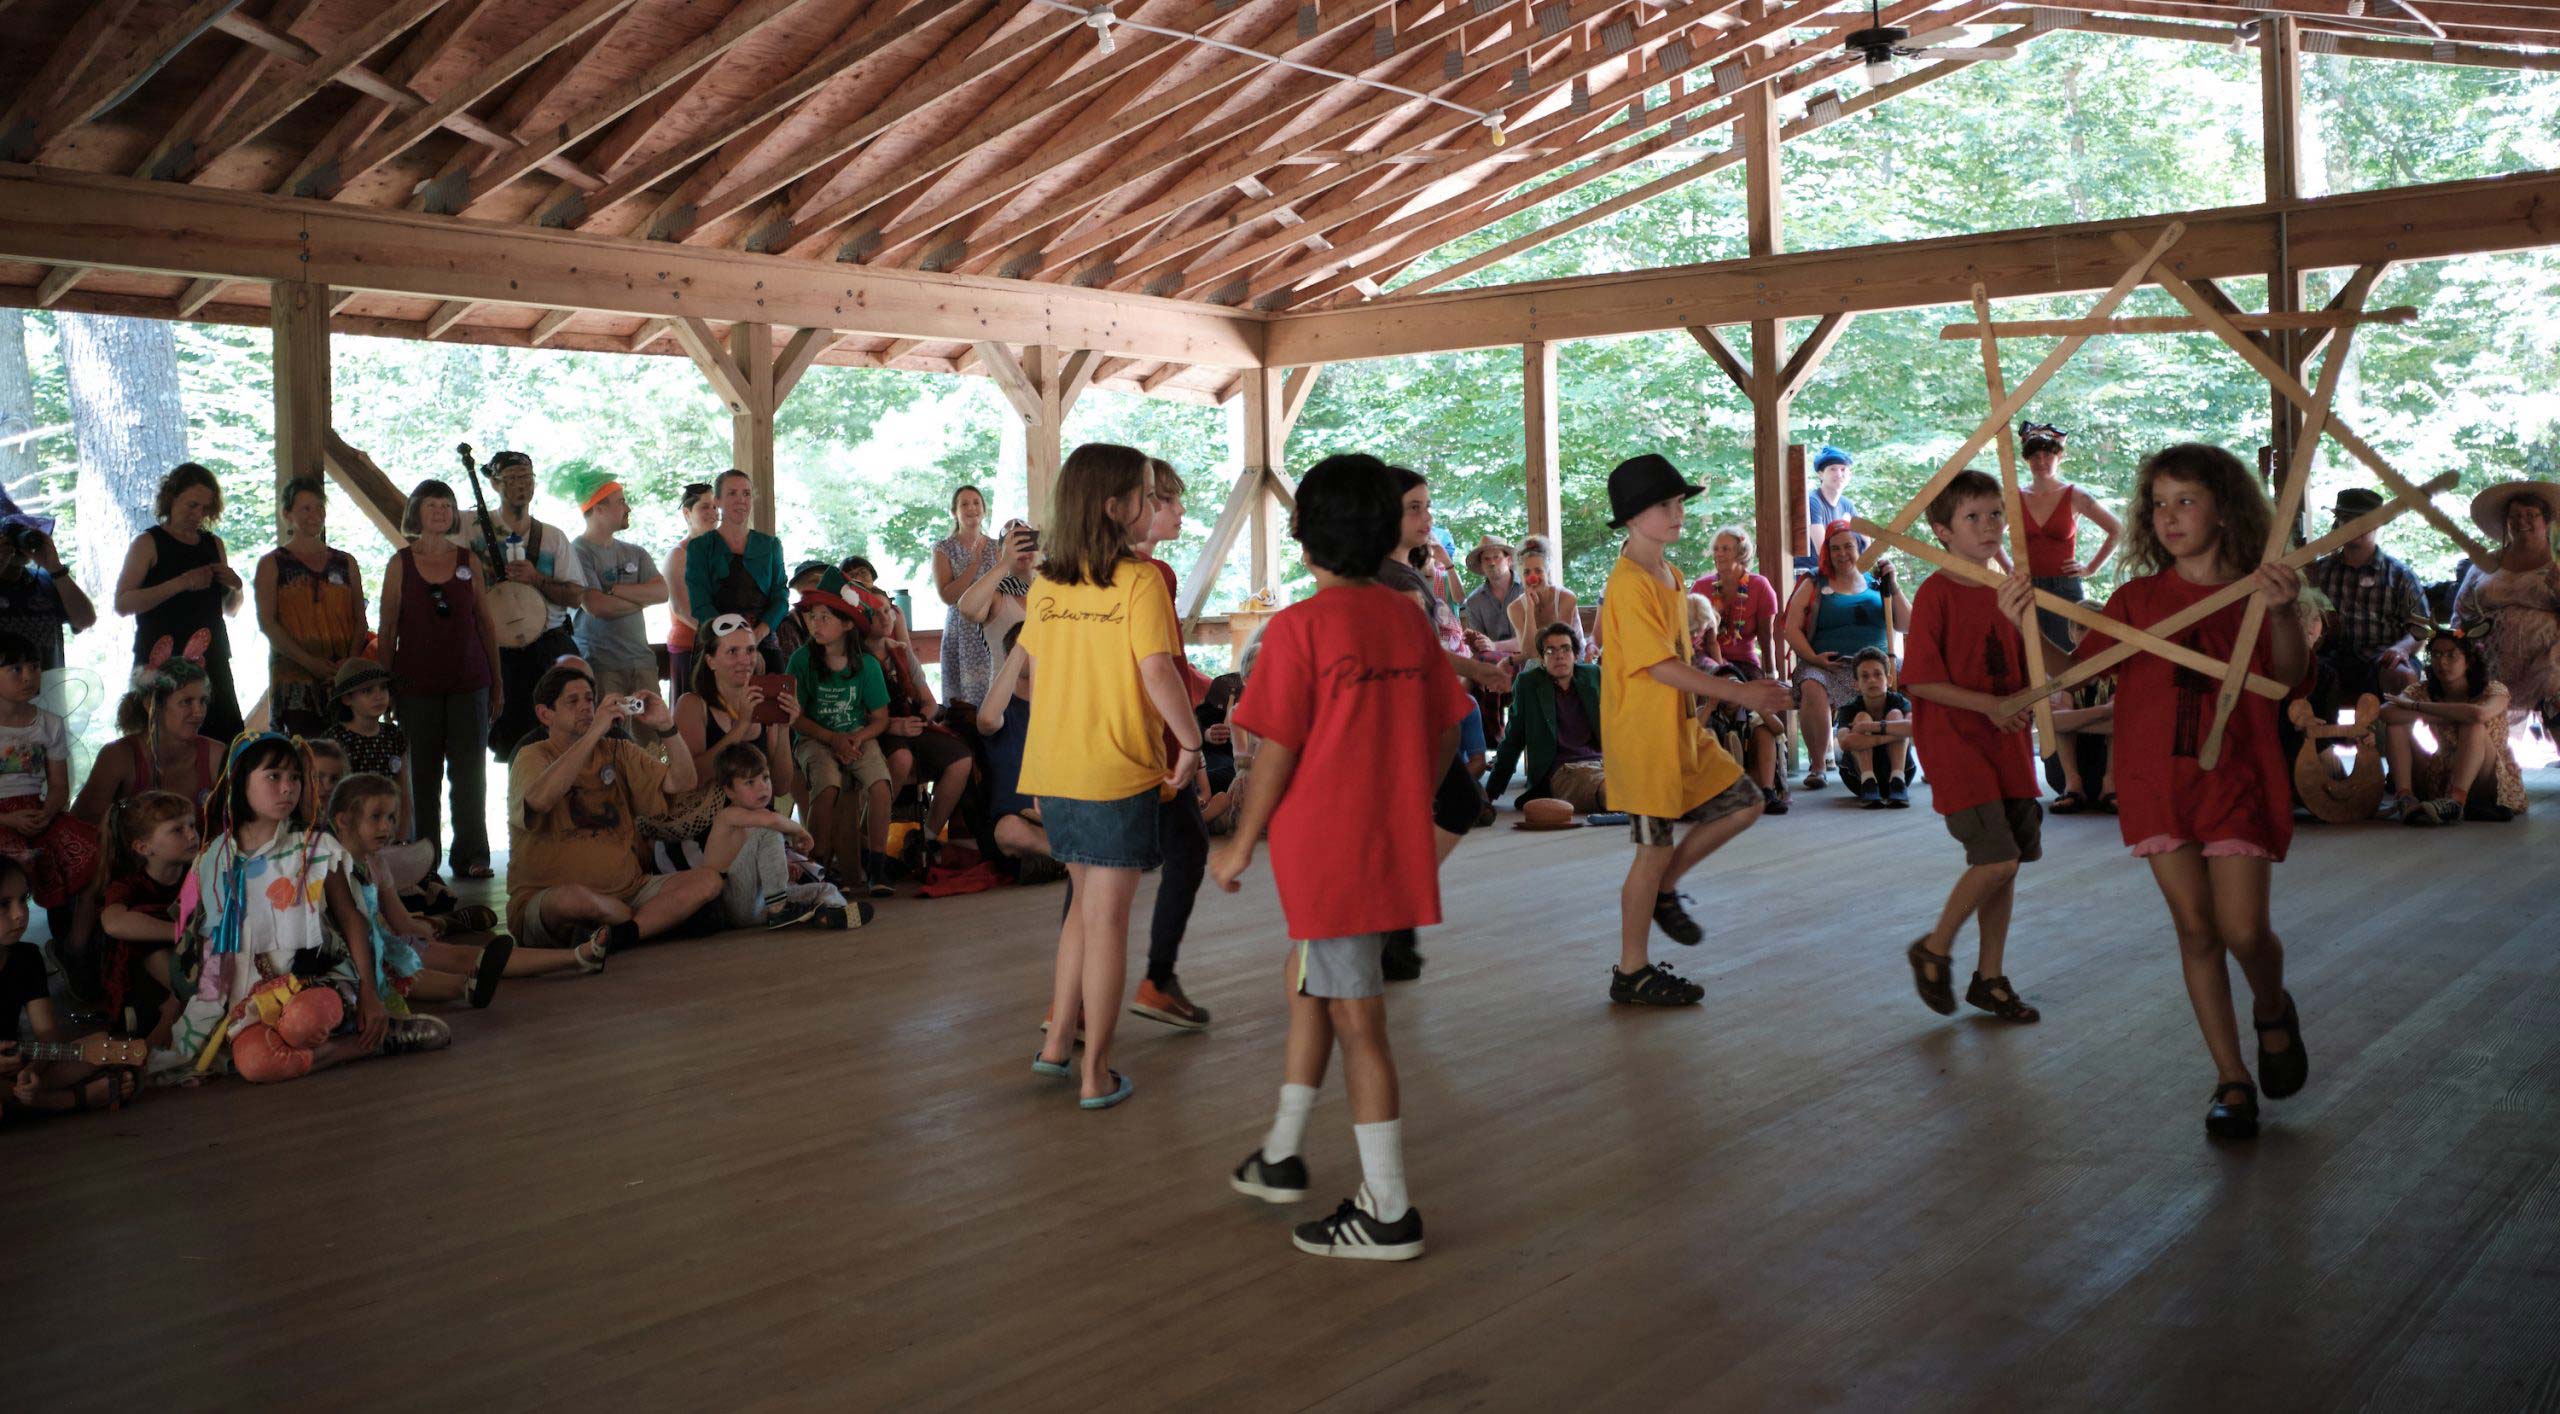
[(812, 1171)]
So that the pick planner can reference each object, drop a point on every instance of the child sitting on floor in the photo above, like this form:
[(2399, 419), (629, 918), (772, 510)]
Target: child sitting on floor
[(28, 1086), (1004, 723), (263, 958), (1874, 728), (151, 840), (2472, 773), (1965, 657), (745, 845), (364, 813), (59, 850), (1357, 714)]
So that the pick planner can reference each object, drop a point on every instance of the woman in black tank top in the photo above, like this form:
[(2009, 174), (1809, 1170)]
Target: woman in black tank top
[(179, 588)]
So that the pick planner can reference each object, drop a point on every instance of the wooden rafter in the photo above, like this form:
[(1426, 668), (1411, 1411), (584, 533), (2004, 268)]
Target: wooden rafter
[(106, 84), (321, 70), (80, 47), (433, 41), (520, 113)]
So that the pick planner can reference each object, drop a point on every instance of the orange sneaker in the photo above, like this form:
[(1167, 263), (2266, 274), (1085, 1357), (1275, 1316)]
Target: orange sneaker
[(1168, 1005)]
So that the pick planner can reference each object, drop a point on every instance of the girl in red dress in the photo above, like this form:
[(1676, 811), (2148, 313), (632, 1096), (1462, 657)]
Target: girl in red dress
[(2212, 838)]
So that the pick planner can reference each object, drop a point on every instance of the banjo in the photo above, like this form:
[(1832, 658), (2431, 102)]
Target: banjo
[(518, 610)]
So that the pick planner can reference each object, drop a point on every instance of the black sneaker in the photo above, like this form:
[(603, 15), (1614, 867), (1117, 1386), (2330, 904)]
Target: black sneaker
[(843, 918), (1655, 984), (1672, 917), (411, 1035), (1870, 794), (1351, 1232), (1402, 961), (1897, 796), (787, 914), (1272, 1181), (1775, 803)]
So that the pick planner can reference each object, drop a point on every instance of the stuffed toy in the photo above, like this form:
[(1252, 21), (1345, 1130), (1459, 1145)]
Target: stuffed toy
[(2338, 799)]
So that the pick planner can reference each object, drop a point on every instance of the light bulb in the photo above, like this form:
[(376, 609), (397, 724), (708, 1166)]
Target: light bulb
[(1102, 20), (1879, 72), (1494, 122)]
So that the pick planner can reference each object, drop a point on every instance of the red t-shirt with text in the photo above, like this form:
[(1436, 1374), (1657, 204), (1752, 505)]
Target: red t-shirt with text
[(2163, 713), (1353, 682), (1959, 638)]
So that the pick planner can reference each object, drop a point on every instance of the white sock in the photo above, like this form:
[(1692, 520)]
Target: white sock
[(1289, 1125), (1382, 1168)]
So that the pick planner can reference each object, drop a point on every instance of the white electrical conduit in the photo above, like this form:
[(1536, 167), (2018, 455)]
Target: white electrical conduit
[(1102, 21)]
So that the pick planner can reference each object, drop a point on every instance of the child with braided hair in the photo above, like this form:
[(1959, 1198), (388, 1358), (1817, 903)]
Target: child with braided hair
[(263, 959)]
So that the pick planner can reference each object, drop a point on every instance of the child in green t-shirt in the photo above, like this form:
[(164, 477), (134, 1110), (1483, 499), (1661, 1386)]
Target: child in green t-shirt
[(844, 707)]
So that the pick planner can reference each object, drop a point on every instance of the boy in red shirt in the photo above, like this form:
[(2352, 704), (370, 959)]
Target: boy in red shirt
[(1358, 716), (1962, 658)]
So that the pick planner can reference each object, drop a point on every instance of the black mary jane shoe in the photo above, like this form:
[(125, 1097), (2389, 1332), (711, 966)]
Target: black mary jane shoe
[(2234, 1112), (2282, 1072)]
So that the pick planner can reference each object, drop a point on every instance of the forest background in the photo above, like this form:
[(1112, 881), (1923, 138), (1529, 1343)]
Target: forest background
[(2079, 127)]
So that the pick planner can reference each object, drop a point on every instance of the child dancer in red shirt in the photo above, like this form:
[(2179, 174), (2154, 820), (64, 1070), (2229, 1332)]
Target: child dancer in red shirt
[(1358, 713), (2211, 837)]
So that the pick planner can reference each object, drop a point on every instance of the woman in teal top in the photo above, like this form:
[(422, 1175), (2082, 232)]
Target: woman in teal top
[(735, 569), (1832, 616)]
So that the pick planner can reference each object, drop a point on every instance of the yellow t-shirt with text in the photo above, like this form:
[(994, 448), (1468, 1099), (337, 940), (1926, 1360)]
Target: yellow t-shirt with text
[(1656, 757), (1094, 735)]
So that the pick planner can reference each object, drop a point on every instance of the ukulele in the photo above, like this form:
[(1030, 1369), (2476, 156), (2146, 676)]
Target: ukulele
[(99, 1050)]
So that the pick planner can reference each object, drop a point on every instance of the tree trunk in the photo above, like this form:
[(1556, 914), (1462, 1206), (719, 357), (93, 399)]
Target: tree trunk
[(18, 461), (122, 379)]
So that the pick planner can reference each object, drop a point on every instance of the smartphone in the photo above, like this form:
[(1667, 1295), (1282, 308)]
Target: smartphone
[(773, 685)]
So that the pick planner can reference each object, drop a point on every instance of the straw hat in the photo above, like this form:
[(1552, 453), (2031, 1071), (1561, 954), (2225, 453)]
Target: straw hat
[(1546, 813), (2489, 508), (1486, 546)]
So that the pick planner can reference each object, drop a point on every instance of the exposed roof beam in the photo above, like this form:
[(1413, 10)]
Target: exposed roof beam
[(52, 84), (2406, 223), (434, 39), (322, 69), (56, 217), (106, 85)]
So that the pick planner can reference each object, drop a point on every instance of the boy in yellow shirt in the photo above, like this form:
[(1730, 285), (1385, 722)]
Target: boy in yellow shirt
[(1659, 764)]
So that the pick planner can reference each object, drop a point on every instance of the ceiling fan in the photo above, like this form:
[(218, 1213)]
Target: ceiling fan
[(1880, 43)]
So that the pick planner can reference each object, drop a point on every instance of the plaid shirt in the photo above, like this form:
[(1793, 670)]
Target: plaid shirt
[(2378, 603)]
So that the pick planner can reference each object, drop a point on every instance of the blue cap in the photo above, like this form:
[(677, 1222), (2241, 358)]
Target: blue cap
[(1828, 456)]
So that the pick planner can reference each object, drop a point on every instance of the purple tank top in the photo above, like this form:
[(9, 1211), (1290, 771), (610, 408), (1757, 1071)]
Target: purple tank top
[(439, 650)]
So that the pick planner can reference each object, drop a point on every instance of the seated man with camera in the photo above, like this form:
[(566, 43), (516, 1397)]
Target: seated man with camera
[(38, 597), (576, 797)]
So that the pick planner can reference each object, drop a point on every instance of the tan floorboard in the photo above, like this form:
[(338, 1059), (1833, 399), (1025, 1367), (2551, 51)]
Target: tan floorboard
[(815, 1171)]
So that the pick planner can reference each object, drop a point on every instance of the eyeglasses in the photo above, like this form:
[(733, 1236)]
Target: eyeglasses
[(1559, 646), (435, 597)]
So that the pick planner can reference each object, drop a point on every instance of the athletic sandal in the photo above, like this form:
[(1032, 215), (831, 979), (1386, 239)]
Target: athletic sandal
[(788, 914), (1938, 996), (1122, 1089), (1996, 996), (2070, 802), (2234, 1112), (2282, 1072), (478, 871), (1352, 1232), (1671, 915), (2107, 802), (493, 966), (412, 1035), (1168, 1005), (1055, 1070), (598, 946), (472, 918), (1271, 1180), (1813, 780), (1654, 984)]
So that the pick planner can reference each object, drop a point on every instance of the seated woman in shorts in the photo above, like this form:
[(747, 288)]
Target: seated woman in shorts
[(1836, 613)]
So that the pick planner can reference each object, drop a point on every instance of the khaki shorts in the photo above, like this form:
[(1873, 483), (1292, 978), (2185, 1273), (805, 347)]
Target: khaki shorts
[(1654, 832), (1580, 785), (820, 770), (2000, 832), (532, 932), (1343, 968)]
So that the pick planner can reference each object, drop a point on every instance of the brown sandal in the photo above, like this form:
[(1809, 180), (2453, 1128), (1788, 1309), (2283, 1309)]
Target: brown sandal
[(1940, 995), (1996, 996)]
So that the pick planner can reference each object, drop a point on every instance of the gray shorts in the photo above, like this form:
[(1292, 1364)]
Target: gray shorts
[(1343, 968), (537, 934), (1654, 832), (2000, 831)]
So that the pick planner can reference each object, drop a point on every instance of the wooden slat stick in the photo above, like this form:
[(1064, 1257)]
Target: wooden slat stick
[(2296, 483), (2106, 660), (2007, 408), (2013, 507), (2071, 609)]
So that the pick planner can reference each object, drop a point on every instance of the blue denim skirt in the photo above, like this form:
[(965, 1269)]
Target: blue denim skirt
[(2065, 586), (1109, 834)]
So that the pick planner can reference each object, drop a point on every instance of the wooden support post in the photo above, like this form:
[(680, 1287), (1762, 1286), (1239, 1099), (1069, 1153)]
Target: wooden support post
[(1544, 467), (751, 430), (1044, 364), (299, 316), (2280, 103), (1264, 398), (1758, 133)]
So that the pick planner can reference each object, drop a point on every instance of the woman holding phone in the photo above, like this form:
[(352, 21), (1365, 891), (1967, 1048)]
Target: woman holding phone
[(731, 699), (992, 603)]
